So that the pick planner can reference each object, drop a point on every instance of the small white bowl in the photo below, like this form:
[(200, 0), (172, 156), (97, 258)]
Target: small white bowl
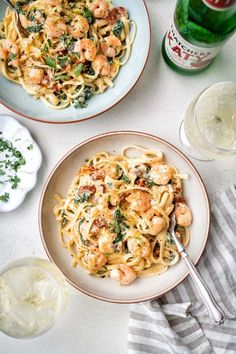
[(21, 139)]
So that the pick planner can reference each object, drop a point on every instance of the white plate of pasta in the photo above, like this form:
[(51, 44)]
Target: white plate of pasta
[(104, 215), (79, 58)]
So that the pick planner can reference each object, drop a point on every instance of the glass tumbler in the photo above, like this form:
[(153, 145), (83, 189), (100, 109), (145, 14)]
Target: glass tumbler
[(208, 130), (33, 293)]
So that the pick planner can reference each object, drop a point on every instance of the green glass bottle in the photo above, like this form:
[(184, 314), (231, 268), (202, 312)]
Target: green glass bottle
[(197, 33)]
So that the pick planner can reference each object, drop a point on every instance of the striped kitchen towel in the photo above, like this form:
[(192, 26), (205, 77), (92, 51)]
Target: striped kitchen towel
[(178, 322)]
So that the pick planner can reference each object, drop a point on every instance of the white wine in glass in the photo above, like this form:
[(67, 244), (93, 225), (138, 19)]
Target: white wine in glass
[(33, 293), (208, 130)]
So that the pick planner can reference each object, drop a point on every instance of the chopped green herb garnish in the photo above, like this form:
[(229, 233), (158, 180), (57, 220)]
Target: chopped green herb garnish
[(149, 183), (50, 62), (169, 239), (118, 220), (117, 29), (50, 43), (12, 162), (31, 18), (88, 15), (4, 197), (125, 178), (78, 69), (14, 181), (61, 77), (30, 147), (62, 61), (117, 170), (61, 95), (34, 29), (16, 165), (82, 198), (87, 69), (45, 48), (81, 101), (12, 56), (18, 5)]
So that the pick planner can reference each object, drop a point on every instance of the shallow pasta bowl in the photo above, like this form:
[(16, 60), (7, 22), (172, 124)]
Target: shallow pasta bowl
[(141, 289), (15, 97)]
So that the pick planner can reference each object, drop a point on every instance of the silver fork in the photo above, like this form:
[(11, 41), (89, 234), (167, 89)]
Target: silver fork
[(216, 314), (19, 25)]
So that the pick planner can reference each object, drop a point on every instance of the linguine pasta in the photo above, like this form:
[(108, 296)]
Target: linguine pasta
[(74, 49), (114, 220)]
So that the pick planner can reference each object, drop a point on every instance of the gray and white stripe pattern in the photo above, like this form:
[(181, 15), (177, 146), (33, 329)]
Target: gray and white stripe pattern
[(178, 322)]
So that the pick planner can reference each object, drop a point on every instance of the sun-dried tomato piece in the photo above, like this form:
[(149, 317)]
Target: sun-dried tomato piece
[(178, 198), (87, 189), (97, 225), (141, 182), (115, 14)]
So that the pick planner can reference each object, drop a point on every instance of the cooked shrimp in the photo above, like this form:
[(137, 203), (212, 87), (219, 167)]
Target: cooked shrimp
[(160, 173), (114, 199), (139, 201), (113, 171), (23, 20), (111, 46), (9, 51), (37, 18), (55, 26), (151, 224), (100, 65), (86, 48), (78, 27), (139, 246), (99, 8), (95, 259), (124, 274), (158, 224), (183, 214), (33, 75), (105, 242)]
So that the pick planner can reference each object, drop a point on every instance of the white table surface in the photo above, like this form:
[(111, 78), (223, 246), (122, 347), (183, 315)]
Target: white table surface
[(155, 105)]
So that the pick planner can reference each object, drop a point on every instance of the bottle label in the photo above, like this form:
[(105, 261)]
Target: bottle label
[(219, 5), (186, 55)]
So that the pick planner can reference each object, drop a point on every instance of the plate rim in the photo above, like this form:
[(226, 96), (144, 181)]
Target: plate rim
[(41, 120), (113, 133)]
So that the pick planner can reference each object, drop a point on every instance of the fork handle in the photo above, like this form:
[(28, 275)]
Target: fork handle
[(8, 2), (216, 314)]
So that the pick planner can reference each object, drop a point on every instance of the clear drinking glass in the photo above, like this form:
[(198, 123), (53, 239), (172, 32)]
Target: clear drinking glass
[(33, 293), (208, 130)]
